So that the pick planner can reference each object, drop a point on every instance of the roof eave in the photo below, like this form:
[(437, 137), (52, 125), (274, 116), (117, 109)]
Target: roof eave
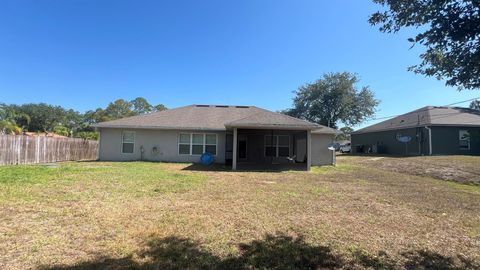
[(416, 126), (157, 127)]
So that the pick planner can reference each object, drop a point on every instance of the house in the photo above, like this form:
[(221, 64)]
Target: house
[(243, 136), (427, 131)]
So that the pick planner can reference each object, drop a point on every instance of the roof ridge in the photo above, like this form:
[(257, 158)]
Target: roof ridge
[(425, 116), (426, 108), (296, 118), (245, 116), (217, 105)]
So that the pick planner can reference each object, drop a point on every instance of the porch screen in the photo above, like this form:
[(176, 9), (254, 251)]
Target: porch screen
[(277, 146)]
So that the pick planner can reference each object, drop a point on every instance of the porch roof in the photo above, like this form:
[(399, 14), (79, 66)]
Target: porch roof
[(269, 120)]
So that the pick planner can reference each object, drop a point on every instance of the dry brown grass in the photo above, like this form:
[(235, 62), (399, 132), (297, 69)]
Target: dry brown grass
[(463, 169), (161, 216)]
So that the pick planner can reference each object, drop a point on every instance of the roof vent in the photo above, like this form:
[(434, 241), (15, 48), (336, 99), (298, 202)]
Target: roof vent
[(222, 106), (242, 107), (202, 106)]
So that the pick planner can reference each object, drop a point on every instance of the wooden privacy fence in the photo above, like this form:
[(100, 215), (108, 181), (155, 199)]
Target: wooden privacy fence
[(20, 149)]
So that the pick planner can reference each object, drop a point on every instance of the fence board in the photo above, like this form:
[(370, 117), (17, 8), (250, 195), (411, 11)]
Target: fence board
[(19, 149)]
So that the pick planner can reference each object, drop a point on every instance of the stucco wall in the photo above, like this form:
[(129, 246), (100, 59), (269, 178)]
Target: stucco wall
[(165, 140), (320, 153)]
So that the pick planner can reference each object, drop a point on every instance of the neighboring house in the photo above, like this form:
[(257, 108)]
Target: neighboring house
[(426, 131), (244, 136)]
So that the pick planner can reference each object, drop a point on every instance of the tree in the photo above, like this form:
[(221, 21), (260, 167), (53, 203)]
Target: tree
[(48, 118), (96, 116), (44, 117), (475, 104), (118, 109), (345, 135), (7, 127), (160, 107), (332, 99), (18, 119), (141, 106), (450, 32)]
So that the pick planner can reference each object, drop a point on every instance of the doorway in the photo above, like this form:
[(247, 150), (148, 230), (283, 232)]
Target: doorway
[(242, 147)]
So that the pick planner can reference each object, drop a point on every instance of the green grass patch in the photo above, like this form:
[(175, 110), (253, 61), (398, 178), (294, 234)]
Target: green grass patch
[(333, 169), (74, 181), (469, 188)]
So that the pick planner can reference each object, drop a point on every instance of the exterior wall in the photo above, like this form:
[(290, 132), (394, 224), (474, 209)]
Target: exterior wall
[(445, 141), (386, 142), (165, 140), (320, 153)]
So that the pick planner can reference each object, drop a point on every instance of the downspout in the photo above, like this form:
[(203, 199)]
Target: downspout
[(429, 140)]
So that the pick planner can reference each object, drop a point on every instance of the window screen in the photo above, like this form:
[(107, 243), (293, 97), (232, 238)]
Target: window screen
[(128, 142)]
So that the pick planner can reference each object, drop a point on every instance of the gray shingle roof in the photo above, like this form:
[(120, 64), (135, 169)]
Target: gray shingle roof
[(429, 116), (211, 117)]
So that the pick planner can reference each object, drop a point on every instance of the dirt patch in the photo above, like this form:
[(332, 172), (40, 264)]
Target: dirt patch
[(462, 169)]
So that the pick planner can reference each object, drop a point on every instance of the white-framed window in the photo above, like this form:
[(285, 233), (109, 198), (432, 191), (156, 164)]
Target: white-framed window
[(277, 145), (128, 142), (464, 139), (184, 143), (197, 143), (211, 143)]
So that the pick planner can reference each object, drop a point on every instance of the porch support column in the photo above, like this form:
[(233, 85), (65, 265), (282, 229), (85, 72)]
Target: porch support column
[(309, 149), (234, 158)]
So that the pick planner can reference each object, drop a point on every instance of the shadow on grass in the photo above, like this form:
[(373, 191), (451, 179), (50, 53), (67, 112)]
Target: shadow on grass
[(253, 167), (272, 252)]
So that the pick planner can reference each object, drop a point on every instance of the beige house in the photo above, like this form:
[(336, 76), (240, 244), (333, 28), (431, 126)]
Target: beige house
[(246, 137)]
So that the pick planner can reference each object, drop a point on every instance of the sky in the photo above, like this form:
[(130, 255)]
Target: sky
[(85, 54)]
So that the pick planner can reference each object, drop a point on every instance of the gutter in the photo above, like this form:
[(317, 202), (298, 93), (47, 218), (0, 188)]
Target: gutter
[(429, 140)]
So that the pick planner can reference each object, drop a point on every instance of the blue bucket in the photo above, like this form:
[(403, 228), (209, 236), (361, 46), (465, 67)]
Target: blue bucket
[(207, 159)]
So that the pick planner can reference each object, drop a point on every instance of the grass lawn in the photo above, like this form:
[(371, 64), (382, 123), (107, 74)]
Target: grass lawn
[(361, 214)]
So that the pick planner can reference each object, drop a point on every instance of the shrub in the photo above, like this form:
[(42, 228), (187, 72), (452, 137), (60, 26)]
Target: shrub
[(8, 127), (88, 135), (61, 130)]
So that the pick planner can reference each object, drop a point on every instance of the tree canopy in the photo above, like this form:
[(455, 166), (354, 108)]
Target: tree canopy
[(332, 99), (475, 104), (345, 134), (450, 31), (42, 117), (121, 108)]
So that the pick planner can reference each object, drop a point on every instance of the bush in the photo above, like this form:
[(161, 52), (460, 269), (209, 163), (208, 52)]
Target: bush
[(88, 135), (8, 127), (61, 130)]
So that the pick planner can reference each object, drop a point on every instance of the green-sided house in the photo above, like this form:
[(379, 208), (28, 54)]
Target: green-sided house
[(426, 131)]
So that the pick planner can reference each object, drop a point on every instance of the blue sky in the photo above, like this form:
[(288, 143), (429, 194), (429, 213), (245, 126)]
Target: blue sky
[(84, 54)]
